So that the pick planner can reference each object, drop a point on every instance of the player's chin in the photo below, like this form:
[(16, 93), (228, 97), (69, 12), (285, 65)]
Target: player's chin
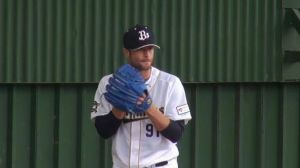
[(145, 65)]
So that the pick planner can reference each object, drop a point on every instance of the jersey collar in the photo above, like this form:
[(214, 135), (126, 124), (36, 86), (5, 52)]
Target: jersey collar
[(153, 76)]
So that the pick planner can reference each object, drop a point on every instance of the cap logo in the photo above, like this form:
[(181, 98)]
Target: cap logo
[(143, 35)]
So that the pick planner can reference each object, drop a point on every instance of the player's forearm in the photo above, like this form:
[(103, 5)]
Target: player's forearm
[(174, 130), (159, 120), (107, 125)]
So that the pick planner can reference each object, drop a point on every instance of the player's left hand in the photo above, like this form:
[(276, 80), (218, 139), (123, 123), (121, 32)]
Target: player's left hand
[(127, 90)]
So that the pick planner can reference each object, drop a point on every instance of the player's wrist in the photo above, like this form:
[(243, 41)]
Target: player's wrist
[(157, 117), (152, 108), (118, 113)]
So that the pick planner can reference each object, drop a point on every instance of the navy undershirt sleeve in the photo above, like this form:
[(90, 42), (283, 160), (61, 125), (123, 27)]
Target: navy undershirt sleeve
[(174, 130), (107, 125)]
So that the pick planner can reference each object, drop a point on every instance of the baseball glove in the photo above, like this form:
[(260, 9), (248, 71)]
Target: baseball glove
[(126, 90)]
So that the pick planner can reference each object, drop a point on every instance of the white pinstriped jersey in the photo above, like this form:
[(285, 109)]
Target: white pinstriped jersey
[(137, 143)]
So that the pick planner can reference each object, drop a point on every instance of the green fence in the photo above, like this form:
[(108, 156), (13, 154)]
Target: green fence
[(254, 125), (65, 41), (232, 56)]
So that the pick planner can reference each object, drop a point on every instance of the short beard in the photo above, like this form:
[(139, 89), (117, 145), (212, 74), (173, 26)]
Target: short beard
[(141, 68)]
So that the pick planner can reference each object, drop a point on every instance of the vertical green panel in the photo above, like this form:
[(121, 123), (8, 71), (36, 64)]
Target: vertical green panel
[(291, 127), (5, 120), (9, 73), (204, 121), (3, 18), (30, 42), (68, 25), (20, 45), (97, 41), (40, 57), (50, 52), (248, 127), (44, 129), (225, 127), (68, 127), (270, 127), (22, 115), (79, 49), (59, 40), (105, 150)]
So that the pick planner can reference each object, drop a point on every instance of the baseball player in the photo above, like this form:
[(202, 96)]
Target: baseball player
[(143, 109)]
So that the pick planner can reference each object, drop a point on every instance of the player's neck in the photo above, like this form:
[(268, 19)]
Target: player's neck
[(146, 74)]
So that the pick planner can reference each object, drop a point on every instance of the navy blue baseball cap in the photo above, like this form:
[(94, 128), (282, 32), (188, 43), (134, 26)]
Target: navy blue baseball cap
[(138, 37)]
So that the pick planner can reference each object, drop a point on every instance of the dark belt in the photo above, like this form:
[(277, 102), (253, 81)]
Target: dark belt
[(161, 163)]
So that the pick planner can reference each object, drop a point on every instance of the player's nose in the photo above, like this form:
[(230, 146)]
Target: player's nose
[(147, 51)]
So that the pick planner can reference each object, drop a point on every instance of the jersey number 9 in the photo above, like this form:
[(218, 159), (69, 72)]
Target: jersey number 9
[(150, 131)]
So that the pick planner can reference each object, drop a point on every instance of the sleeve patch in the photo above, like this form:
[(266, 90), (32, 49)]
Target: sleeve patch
[(183, 109)]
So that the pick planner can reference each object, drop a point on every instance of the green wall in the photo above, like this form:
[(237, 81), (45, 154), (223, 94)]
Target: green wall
[(254, 125), (80, 40), (228, 54)]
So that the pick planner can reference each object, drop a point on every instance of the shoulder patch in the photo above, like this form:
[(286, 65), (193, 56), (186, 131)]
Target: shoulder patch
[(182, 109)]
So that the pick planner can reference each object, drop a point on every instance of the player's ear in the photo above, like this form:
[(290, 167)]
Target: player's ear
[(126, 52)]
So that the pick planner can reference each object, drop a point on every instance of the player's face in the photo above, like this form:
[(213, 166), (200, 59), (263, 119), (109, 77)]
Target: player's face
[(142, 59)]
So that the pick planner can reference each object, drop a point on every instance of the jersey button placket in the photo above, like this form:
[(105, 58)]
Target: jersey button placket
[(135, 143)]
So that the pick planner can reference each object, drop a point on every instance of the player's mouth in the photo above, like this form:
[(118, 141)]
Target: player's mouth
[(146, 62)]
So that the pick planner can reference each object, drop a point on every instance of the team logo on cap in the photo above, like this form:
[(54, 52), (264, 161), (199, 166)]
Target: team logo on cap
[(143, 35)]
